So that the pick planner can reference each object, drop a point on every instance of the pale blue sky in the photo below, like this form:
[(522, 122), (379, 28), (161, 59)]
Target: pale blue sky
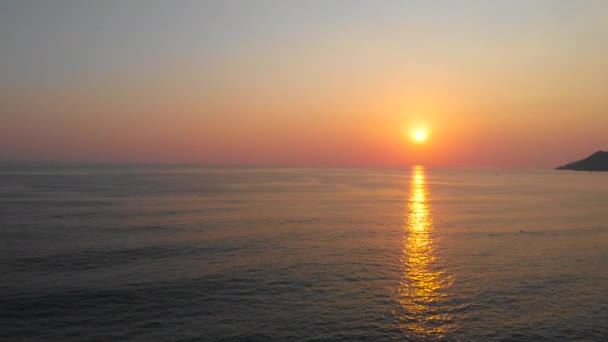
[(62, 38)]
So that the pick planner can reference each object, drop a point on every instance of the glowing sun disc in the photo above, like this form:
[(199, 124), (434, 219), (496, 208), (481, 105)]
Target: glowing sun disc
[(419, 136)]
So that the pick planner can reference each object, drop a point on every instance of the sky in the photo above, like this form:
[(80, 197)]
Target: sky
[(304, 83)]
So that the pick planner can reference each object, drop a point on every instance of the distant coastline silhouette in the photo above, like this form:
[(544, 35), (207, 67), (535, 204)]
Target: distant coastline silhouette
[(595, 162)]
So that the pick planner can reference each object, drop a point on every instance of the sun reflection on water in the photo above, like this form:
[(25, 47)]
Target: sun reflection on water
[(423, 286)]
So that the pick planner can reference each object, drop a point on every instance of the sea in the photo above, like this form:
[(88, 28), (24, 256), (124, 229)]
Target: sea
[(100, 252)]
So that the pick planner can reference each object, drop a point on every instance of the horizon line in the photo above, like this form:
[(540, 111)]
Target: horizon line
[(46, 162)]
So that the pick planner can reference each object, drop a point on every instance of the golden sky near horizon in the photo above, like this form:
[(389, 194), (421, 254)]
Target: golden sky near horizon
[(501, 84)]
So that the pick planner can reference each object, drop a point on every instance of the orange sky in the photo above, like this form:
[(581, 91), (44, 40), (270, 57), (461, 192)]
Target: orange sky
[(495, 85)]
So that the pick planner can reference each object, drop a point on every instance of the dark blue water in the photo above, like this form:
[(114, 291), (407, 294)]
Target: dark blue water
[(160, 253)]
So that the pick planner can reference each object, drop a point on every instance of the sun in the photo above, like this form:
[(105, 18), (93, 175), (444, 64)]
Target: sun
[(419, 136)]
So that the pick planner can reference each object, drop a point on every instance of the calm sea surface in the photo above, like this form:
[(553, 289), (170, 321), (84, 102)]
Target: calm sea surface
[(228, 254)]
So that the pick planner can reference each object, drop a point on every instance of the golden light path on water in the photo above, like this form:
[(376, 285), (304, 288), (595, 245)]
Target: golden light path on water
[(424, 282)]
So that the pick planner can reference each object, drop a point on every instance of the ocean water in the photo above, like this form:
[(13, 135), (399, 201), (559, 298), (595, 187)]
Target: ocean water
[(168, 253)]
